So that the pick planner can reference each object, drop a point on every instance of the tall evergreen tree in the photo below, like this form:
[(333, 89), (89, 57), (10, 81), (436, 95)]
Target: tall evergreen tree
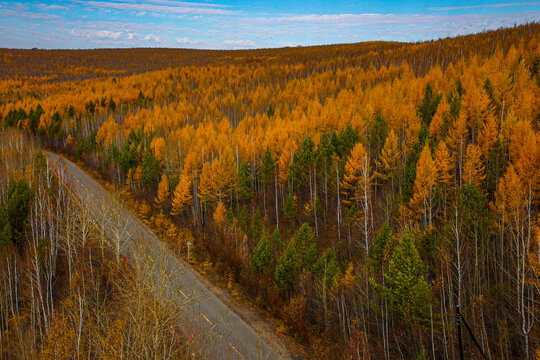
[(150, 169), (244, 182)]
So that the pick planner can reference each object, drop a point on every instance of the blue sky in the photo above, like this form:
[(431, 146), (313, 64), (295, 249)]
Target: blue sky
[(221, 24)]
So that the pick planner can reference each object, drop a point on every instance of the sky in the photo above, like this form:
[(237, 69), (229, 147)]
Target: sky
[(244, 24)]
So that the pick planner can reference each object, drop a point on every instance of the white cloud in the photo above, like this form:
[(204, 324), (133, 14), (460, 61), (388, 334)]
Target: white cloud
[(239, 43), (96, 34), (46, 7), (448, 8), (188, 41), (178, 8), (132, 36), (152, 37)]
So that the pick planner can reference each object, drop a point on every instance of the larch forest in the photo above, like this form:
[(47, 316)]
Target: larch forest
[(353, 194)]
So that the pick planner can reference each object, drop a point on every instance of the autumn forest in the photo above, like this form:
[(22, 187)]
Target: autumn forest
[(354, 194)]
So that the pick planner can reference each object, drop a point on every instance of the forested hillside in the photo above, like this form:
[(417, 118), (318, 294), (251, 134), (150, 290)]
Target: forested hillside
[(357, 192), (65, 293)]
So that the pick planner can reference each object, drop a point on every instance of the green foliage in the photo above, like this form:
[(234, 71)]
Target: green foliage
[(129, 156), (112, 106), (496, 166), (327, 268), (5, 227), (39, 163), (455, 107), (325, 151), (150, 169), (71, 111), (476, 219), (302, 160), (380, 248), (34, 117), (412, 159), (428, 107), (267, 168), (244, 182), (86, 145), (55, 125), (270, 111), (428, 245), (377, 133), (276, 243), (90, 107), (289, 208), (18, 206), (14, 117), (142, 100), (261, 258), (307, 248), (257, 225), (301, 254), (488, 87), (242, 217), (406, 288), (422, 355), (344, 142), (287, 267)]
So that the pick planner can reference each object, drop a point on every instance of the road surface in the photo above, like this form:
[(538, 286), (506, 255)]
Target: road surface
[(219, 333)]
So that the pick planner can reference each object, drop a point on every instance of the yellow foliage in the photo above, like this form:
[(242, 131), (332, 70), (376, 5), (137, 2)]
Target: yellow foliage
[(424, 185), (158, 145), (356, 183), (444, 163), (473, 169), (220, 215), (390, 155), (182, 197), (163, 191)]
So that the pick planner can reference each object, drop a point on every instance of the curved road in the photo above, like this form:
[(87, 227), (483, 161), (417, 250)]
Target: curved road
[(219, 333)]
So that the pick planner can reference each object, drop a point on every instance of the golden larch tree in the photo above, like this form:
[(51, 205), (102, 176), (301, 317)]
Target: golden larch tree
[(356, 186), (424, 186), (390, 155), (444, 163), (206, 187), (182, 197), (473, 169), (163, 191)]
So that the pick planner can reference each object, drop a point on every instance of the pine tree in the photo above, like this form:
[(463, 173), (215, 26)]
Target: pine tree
[(150, 169), (306, 246), (244, 182), (377, 134), (380, 249), (327, 268), (261, 258), (19, 196), (428, 107), (276, 243), (287, 268), (5, 228), (182, 197), (406, 288), (267, 168)]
